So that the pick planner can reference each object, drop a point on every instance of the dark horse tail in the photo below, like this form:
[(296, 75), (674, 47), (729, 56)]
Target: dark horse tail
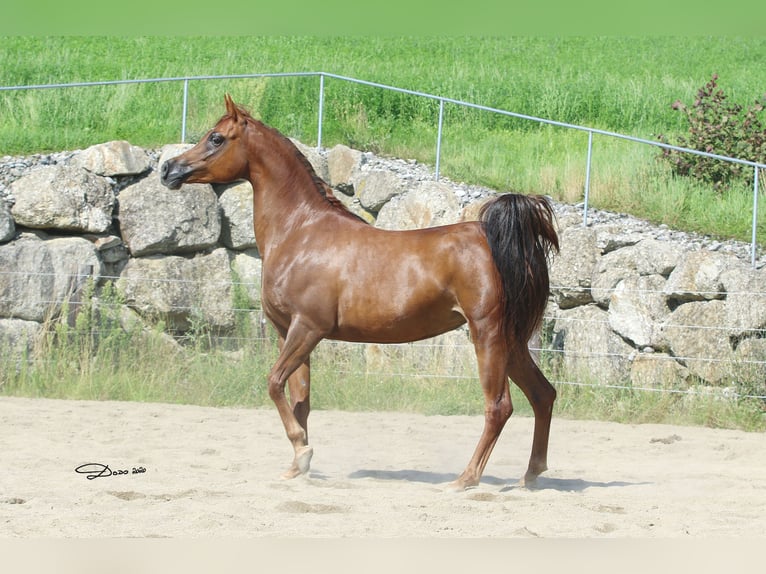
[(521, 234)]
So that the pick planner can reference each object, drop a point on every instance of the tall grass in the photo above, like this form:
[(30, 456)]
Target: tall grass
[(626, 85), (106, 354), (99, 359), (621, 84), (100, 352)]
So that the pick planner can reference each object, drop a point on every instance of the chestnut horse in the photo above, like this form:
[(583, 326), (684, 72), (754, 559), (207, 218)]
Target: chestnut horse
[(328, 274)]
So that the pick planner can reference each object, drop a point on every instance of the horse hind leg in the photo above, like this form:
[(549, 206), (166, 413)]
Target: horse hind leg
[(497, 410), (541, 396)]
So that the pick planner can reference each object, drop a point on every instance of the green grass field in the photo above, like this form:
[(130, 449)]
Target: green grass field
[(624, 85)]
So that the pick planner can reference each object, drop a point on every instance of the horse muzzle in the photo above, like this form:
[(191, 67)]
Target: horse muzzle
[(173, 174)]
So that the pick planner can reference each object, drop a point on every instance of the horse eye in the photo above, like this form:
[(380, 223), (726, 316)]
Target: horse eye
[(216, 139)]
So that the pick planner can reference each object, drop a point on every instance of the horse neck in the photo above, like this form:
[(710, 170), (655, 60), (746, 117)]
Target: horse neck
[(285, 190)]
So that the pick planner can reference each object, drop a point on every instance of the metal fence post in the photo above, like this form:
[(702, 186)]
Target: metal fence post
[(755, 217), (321, 107), (587, 179), (186, 105), (439, 138)]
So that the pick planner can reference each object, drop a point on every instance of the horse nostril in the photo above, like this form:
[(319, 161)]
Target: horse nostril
[(164, 169)]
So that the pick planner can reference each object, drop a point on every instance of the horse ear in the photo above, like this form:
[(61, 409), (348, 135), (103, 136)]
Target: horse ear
[(231, 107)]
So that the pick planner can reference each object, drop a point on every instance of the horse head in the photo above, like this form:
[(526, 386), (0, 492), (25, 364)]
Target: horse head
[(219, 157)]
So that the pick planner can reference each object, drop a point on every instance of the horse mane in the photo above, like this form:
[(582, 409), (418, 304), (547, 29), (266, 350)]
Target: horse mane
[(321, 186)]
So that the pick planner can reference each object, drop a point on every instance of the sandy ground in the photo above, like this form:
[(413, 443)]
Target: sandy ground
[(194, 472)]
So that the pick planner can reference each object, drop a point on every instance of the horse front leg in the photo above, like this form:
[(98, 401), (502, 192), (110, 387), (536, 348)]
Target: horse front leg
[(299, 385), (292, 365)]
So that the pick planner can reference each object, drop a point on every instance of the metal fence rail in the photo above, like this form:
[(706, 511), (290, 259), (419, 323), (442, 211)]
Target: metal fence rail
[(185, 80)]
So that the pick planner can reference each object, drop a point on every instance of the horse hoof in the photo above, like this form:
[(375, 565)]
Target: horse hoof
[(528, 481), (459, 486), (301, 463), (303, 458)]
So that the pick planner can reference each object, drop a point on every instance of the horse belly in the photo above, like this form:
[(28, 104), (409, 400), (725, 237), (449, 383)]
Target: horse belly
[(396, 318)]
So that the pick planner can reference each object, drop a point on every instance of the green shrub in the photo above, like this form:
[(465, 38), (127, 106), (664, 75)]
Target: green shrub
[(722, 127)]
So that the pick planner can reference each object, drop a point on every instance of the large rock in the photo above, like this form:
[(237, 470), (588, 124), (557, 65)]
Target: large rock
[(592, 352), (650, 257), (236, 201), (26, 281), (315, 158), (647, 257), (352, 203), (428, 205), (38, 275), (343, 163), (131, 322), (657, 370), (155, 219), (183, 292), (247, 272), (114, 158), (63, 197), (572, 269), (18, 338), (613, 237), (698, 336), (74, 256), (636, 306), (7, 225), (750, 364), (376, 187), (472, 211), (698, 277), (745, 301)]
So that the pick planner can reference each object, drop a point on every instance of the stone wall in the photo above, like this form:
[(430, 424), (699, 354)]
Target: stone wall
[(630, 303)]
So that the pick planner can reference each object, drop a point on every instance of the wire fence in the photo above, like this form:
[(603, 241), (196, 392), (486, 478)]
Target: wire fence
[(323, 87), (442, 102), (453, 349)]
